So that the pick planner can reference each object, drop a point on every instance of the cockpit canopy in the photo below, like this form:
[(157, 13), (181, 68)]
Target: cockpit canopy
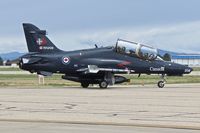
[(135, 49)]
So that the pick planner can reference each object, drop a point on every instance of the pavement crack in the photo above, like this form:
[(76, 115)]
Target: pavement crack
[(11, 108), (69, 105), (179, 114)]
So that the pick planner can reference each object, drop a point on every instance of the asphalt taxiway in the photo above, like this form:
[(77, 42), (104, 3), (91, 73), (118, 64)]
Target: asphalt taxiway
[(124, 109)]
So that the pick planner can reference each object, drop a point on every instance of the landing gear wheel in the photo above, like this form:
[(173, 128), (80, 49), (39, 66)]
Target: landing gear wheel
[(85, 85), (161, 84), (103, 84)]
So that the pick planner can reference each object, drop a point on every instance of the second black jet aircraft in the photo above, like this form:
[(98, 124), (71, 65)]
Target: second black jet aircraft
[(97, 65)]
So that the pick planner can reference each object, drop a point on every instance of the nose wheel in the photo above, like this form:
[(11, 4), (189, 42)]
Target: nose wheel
[(161, 83)]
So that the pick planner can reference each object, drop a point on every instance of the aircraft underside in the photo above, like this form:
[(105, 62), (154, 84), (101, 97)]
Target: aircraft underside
[(103, 79)]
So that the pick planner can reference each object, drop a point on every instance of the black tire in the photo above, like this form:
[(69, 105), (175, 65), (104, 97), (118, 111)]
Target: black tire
[(161, 84), (85, 85), (103, 84)]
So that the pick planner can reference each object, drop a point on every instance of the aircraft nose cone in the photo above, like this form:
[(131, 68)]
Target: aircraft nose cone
[(178, 69), (188, 70)]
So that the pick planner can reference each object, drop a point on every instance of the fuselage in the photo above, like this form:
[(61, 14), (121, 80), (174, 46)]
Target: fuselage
[(106, 57)]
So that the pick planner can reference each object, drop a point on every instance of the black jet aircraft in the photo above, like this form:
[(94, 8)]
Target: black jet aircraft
[(96, 65)]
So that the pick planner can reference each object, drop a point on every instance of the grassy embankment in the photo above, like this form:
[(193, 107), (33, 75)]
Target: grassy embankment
[(196, 69), (10, 69)]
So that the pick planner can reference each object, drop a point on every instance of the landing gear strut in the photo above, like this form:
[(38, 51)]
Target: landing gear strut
[(161, 83)]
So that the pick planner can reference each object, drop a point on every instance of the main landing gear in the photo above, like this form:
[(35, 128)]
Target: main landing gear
[(162, 82), (103, 84), (85, 85)]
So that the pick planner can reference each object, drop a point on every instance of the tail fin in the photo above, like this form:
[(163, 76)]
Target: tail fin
[(37, 40)]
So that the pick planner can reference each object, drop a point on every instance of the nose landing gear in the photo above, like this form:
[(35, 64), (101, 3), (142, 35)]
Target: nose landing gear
[(161, 83)]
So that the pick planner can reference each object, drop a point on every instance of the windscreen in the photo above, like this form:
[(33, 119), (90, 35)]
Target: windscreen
[(135, 49)]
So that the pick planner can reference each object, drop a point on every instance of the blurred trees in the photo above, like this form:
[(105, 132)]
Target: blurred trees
[(167, 57), (1, 61)]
